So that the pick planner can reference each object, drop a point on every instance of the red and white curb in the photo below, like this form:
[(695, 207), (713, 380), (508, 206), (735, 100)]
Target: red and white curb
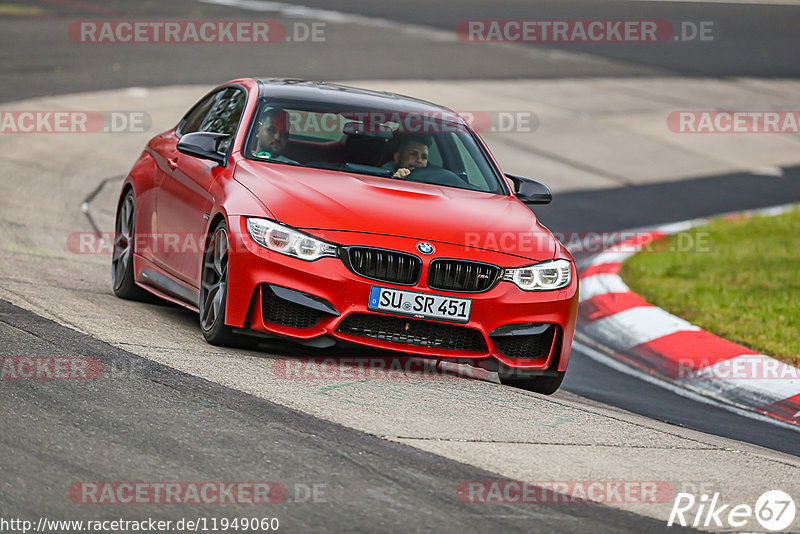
[(623, 325)]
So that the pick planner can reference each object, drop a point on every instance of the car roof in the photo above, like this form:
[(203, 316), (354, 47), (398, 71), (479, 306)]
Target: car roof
[(336, 94)]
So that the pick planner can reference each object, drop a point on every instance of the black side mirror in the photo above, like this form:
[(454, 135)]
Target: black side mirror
[(203, 145), (530, 191)]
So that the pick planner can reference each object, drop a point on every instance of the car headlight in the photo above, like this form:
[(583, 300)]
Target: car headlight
[(287, 240), (545, 276)]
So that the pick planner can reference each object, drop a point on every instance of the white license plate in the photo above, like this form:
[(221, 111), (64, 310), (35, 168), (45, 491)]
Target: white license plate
[(422, 305)]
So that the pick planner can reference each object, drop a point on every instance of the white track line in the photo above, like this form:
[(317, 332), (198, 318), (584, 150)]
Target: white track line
[(626, 369), (600, 284), (634, 326), (623, 330), (771, 389)]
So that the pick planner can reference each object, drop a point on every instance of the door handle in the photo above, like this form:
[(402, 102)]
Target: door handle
[(173, 163)]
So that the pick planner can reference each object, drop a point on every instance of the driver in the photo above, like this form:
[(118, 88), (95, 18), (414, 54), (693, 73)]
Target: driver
[(411, 153), (273, 134)]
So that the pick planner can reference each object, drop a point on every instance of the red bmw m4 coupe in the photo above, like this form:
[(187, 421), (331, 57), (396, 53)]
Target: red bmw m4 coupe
[(321, 213)]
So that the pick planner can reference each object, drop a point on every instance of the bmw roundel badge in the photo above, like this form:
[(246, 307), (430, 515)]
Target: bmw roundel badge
[(425, 248)]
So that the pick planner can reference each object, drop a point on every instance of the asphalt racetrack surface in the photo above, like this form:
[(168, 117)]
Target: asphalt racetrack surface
[(39, 59), (149, 417)]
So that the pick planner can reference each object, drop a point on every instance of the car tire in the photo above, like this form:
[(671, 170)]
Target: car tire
[(122, 277), (546, 385), (214, 289)]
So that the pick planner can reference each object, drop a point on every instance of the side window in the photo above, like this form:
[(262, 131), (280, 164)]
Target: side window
[(191, 122), (224, 115), (218, 113)]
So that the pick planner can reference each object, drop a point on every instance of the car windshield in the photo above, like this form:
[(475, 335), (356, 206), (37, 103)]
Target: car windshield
[(429, 146)]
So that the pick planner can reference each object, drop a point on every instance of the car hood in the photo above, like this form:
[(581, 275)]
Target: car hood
[(312, 199)]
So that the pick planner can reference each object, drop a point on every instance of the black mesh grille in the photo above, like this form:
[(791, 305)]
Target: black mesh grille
[(461, 275), (537, 346), (384, 265), (413, 332), (279, 311)]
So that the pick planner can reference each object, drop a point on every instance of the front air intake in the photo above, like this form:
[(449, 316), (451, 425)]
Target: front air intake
[(384, 265), (462, 276)]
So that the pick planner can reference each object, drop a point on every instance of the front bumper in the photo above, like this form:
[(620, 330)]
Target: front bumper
[(325, 299)]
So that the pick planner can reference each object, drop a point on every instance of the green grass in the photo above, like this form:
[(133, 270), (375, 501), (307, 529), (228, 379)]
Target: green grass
[(737, 279)]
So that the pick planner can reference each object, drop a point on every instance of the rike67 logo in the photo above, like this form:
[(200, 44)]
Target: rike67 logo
[(774, 510)]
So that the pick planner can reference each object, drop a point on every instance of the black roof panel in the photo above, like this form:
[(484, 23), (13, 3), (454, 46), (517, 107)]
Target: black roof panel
[(335, 94)]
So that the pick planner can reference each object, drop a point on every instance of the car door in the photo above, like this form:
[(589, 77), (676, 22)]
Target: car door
[(163, 149), (184, 202)]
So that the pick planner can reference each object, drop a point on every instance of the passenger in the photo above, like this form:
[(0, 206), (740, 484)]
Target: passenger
[(411, 153), (273, 135)]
